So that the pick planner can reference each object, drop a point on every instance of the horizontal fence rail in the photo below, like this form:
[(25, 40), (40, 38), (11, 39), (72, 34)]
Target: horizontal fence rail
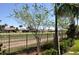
[(13, 42)]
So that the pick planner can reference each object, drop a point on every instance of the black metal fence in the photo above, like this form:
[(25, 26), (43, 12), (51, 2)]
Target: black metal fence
[(13, 42)]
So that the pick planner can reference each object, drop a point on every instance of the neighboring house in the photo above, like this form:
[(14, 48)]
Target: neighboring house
[(49, 29), (52, 29), (23, 29), (9, 29)]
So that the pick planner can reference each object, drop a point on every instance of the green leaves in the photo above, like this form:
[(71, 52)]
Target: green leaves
[(35, 15)]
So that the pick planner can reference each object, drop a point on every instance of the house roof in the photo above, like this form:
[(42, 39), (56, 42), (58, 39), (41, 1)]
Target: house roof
[(8, 28), (22, 28)]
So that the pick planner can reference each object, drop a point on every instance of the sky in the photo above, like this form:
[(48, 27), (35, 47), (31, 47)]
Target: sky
[(5, 11), (7, 8)]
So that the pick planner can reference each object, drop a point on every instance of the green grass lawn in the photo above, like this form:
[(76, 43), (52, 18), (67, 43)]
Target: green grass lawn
[(25, 33), (75, 49), (22, 36)]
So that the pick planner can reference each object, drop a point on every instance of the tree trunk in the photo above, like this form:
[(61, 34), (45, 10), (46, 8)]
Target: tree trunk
[(62, 33), (26, 41), (38, 39), (56, 31), (77, 25), (77, 20)]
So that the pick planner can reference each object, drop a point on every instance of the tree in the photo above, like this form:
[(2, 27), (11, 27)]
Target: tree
[(56, 30), (63, 23), (5, 25), (0, 28), (33, 19), (16, 29), (76, 12), (12, 27), (63, 10), (20, 26)]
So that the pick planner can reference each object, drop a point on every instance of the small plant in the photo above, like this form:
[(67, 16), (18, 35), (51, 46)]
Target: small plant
[(65, 45), (47, 46), (50, 51), (2, 52)]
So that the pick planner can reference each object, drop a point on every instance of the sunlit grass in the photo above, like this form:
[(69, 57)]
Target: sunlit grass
[(75, 49), (25, 33)]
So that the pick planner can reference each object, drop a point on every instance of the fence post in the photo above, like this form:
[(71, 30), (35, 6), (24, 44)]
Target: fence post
[(9, 44), (47, 37), (26, 41)]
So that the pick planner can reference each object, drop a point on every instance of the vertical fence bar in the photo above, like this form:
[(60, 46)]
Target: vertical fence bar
[(26, 41), (0, 44), (9, 44), (47, 37)]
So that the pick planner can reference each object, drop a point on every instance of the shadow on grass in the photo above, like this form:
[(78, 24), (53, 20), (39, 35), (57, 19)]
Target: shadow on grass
[(32, 49)]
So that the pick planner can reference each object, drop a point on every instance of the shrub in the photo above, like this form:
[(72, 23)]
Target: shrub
[(47, 46), (63, 47), (50, 51), (1, 50), (65, 44)]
